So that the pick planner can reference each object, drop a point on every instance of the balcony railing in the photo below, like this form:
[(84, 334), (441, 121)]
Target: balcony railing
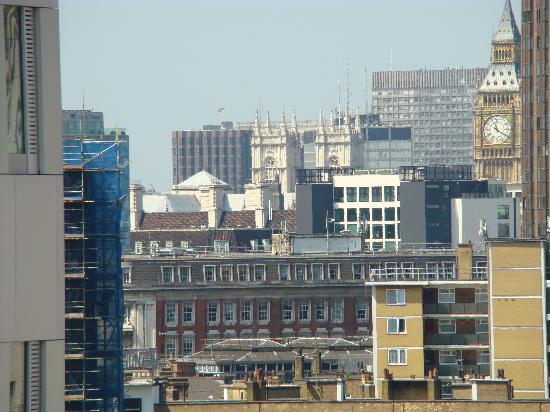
[(140, 358), (460, 308), (421, 274), (453, 370), (443, 339)]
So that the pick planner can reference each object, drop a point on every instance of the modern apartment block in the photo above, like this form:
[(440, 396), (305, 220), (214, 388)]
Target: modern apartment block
[(225, 153), (534, 134), (387, 147), (472, 320), (95, 168), (437, 104), (31, 208)]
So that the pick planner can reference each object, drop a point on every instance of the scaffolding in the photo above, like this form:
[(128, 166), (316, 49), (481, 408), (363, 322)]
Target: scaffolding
[(95, 169)]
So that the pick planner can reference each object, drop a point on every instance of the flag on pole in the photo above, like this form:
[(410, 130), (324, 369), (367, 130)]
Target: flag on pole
[(221, 109)]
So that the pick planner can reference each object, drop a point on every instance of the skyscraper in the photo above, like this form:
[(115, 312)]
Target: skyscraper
[(31, 208), (438, 104), (535, 160)]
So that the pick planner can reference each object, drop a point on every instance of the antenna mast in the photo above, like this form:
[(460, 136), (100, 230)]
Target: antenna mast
[(339, 102), (366, 92)]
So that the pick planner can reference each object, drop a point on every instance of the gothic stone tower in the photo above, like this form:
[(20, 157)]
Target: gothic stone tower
[(497, 146), (339, 145), (276, 153)]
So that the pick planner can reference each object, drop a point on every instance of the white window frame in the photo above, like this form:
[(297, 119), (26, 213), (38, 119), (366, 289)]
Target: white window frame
[(398, 301), (449, 323), (259, 310), (184, 244), (448, 354), (138, 247), (233, 308), (184, 305), (447, 269), (337, 271), (340, 303), (175, 313), (357, 303), (485, 328), (401, 356), (302, 266), (171, 275), (391, 268), (283, 310), (204, 267), (153, 247), (313, 272), (361, 270), (264, 272), (212, 322), (308, 303), (250, 312), (189, 278), (407, 268), (221, 246), (169, 244), (481, 295), (188, 338), (247, 273), (445, 294), (288, 275), (230, 267), (325, 311), (172, 339), (483, 354), (393, 326)]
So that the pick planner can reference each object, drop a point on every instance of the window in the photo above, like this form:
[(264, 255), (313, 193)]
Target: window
[(503, 212), (351, 194), (377, 231), (263, 311), (188, 309), (483, 357), (363, 194), (188, 345), (212, 313), (127, 314), (304, 310), (169, 244), (396, 326), (432, 269), (338, 215), (358, 271), (482, 326), (446, 296), (389, 231), (320, 310), (333, 271), (127, 274), (361, 311), (389, 193), (288, 310), (377, 194), (352, 215), (284, 272), (447, 357), (448, 270), (389, 213), (229, 312), (171, 314), (226, 273), (259, 273), (246, 310), (446, 326), (171, 345), (209, 273), (503, 230), (153, 247), (395, 296), (481, 295), (185, 273), (167, 274), (397, 356), (184, 244), (337, 310), (364, 214), (138, 248), (317, 271), (377, 214), (221, 246), (243, 273), (301, 272), (338, 194)]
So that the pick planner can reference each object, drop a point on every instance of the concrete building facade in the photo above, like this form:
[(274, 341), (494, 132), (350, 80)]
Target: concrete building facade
[(31, 208), (437, 104)]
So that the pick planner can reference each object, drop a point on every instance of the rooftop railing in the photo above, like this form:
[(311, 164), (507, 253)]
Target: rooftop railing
[(422, 274)]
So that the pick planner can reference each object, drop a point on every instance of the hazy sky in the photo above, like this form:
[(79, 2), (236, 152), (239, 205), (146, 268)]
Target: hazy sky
[(157, 66)]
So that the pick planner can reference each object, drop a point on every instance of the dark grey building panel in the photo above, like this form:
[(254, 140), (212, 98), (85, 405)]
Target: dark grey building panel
[(313, 201), (413, 213)]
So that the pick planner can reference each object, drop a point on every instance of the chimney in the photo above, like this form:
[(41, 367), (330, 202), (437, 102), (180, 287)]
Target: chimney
[(316, 363), (136, 205), (299, 366), (465, 261)]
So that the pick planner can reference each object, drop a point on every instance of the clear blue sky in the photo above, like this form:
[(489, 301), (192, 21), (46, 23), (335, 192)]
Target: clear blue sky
[(163, 65)]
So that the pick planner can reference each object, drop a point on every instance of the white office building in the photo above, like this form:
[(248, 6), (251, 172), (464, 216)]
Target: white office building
[(31, 208)]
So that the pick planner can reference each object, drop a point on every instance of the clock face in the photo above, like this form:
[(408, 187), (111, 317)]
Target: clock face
[(497, 130)]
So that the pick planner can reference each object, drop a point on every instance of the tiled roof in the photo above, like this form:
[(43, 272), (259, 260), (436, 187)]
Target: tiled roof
[(174, 221), (288, 216), (241, 218)]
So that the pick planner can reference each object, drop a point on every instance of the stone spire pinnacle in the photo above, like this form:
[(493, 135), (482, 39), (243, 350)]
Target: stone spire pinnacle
[(268, 121), (357, 121), (282, 126), (257, 123), (321, 121), (331, 121), (507, 30), (294, 123)]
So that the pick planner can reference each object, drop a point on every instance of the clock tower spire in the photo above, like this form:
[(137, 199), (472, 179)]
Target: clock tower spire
[(497, 123)]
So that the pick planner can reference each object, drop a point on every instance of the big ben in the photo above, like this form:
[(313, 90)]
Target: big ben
[(497, 146)]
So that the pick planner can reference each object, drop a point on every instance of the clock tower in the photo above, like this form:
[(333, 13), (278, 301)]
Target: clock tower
[(497, 114)]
